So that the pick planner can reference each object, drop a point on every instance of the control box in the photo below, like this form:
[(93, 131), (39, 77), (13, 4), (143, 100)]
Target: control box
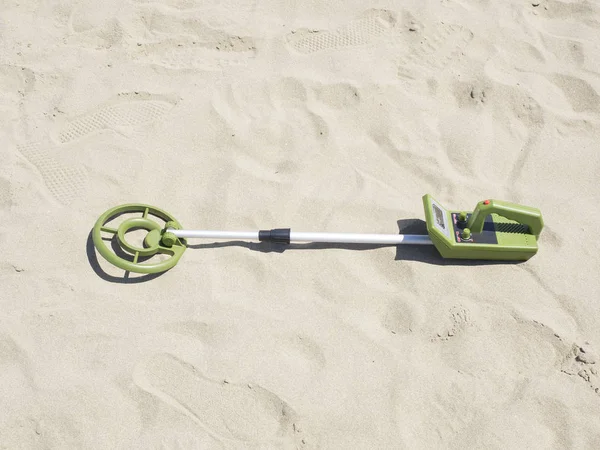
[(494, 230)]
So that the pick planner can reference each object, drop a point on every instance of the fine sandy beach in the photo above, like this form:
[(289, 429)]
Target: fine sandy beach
[(319, 116)]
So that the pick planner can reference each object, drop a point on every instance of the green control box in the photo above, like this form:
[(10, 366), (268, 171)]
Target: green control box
[(495, 230)]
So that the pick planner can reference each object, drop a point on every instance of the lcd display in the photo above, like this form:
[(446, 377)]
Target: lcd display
[(439, 217)]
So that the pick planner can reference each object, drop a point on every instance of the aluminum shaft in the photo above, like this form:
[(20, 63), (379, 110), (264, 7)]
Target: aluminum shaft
[(343, 238)]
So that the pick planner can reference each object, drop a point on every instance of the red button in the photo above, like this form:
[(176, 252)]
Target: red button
[(486, 202)]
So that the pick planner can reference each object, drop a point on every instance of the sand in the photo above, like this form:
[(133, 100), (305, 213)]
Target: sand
[(319, 116)]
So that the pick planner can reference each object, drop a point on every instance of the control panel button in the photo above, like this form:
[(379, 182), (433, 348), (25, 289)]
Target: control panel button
[(465, 234)]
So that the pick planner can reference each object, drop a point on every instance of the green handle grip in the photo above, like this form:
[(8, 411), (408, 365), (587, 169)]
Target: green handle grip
[(526, 215)]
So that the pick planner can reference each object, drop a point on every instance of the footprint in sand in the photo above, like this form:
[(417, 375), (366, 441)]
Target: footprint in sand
[(89, 15), (233, 52), (227, 411), (583, 361), (338, 96), (431, 48), (184, 40), (176, 4), (492, 345), (506, 113), (97, 24), (400, 315), (565, 29), (222, 5), (130, 111), (16, 82), (458, 320), (64, 181), (581, 96), (570, 11), (532, 420), (364, 30), (226, 343)]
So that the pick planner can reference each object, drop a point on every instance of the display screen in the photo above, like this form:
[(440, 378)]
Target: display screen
[(439, 217)]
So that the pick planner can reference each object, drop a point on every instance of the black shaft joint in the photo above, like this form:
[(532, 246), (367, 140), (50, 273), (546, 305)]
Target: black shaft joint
[(277, 235)]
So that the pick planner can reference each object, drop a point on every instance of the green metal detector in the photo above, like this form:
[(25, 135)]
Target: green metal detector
[(495, 230)]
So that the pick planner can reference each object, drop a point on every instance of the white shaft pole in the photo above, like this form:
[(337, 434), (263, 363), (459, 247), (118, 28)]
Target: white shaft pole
[(206, 234), (361, 238), (346, 238)]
